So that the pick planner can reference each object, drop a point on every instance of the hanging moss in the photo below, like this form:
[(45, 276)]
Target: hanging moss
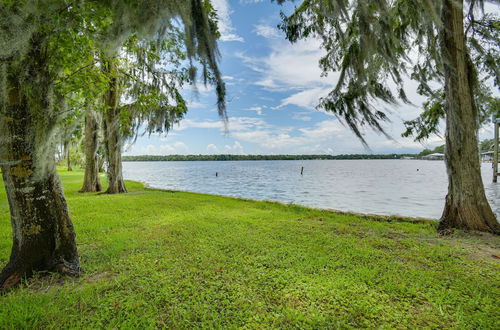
[(47, 47)]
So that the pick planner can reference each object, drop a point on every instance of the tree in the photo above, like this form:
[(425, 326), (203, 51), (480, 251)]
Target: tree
[(486, 145), (428, 121), (144, 78), (439, 149), (112, 135), (44, 44), (371, 43), (143, 88), (71, 133), (91, 182)]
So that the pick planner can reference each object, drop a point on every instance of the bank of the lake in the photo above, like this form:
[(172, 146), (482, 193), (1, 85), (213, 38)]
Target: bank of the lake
[(174, 259)]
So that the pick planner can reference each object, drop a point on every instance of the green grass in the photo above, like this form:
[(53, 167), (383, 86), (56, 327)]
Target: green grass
[(183, 260)]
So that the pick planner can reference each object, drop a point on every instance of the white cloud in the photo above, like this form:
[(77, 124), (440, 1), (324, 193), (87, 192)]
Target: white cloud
[(307, 99), (302, 116), (212, 149), (257, 109), (176, 147), (267, 31), (328, 136), (234, 124), (235, 149), (323, 130), (282, 139), (225, 25), (290, 66), (149, 150), (195, 104), (165, 149), (166, 136), (189, 123)]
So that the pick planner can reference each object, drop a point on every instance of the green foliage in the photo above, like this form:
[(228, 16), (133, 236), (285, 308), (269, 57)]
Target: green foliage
[(156, 259), (438, 149), (259, 157), (151, 74), (486, 145), (370, 43), (48, 51), (428, 122)]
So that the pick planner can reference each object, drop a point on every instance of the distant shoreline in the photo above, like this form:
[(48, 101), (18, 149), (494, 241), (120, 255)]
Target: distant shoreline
[(263, 157)]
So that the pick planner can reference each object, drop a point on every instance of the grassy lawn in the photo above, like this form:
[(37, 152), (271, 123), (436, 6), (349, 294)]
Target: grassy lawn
[(183, 260)]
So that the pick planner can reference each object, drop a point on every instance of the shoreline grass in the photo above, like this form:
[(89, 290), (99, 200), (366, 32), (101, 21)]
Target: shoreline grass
[(156, 258), (367, 216)]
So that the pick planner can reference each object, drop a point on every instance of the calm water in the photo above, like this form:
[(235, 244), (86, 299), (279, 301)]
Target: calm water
[(386, 187)]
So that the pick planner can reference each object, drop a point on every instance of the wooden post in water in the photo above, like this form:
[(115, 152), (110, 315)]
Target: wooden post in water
[(496, 122), (302, 171)]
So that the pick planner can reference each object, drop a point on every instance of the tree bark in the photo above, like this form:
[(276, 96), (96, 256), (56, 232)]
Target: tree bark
[(91, 182), (466, 205), (68, 156), (43, 235), (112, 132)]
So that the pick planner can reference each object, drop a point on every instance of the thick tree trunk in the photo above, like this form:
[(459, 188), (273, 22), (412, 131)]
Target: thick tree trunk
[(113, 134), (466, 204), (43, 235), (116, 184), (91, 181)]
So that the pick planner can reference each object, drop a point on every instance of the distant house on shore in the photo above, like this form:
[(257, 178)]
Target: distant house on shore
[(435, 156), (487, 156)]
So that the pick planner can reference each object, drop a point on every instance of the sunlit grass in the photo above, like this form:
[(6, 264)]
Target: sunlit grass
[(184, 260)]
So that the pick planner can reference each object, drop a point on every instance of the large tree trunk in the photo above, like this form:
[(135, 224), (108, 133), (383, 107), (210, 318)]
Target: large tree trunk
[(91, 181), (466, 204), (112, 132), (43, 235)]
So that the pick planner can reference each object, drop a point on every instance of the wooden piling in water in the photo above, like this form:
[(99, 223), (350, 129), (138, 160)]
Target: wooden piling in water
[(302, 171)]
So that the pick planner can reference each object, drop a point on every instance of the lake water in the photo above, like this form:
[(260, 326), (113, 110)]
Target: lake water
[(414, 188)]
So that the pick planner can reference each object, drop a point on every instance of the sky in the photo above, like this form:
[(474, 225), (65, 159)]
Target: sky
[(273, 87)]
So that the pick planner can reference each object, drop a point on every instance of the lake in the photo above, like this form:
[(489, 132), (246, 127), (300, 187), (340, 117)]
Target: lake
[(414, 188)]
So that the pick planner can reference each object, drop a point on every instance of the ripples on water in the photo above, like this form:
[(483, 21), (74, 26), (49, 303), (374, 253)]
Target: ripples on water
[(414, 188)]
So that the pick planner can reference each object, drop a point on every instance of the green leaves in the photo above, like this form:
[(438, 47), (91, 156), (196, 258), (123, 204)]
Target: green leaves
[(427, 123), (156, 36), (376, 44)]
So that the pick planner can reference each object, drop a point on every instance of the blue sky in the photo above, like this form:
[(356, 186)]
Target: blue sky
[(273, 88)]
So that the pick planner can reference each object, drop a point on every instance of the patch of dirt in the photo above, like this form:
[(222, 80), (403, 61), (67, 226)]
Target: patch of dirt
[(105, 275), (479, 245), (45, 281)]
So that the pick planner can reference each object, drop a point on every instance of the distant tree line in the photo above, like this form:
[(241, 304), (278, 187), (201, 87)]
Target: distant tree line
[(259, 157), (437, 150), (485, 145)]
